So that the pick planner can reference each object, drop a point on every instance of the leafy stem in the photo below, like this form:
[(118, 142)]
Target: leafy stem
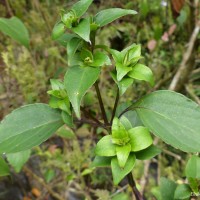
[(115, 106), (132, 184), (103, 112)]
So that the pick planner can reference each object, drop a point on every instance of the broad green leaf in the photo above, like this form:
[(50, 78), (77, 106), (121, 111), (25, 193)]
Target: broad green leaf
[(140, 138), (143, 73), (172, 117), (81, 7), (148, 153), (119, 173), (182, 191), (15, 28), (28, 126), (117, 55), (167, 189), (77, 81), (17, 160), (58, 30), (83, 29), (105, 147), (122, 70), (105, 17), (122, 154), (100, 161), (192, 169), (72, 47), (4, 169), (194, 185)]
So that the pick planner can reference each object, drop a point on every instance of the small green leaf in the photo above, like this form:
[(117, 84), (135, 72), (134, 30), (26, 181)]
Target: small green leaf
[(100, 59), (172, 117), (83, 29), (68, 119), (65, 132), (17, 160), (133, 54), (182, 191), (72, 47), (77, 81), (65, 38), (194, 185), (119, 173), (58, 30), (126, 123), (28, 126), (4, 169), (105, 17), (122, 70), (49, 175), (81, 7), (140, 138), (124, 84), (15, 28), (120, 135), (148, 153), (100, 161), (192, 169), (143, 73), (167, 189), (122, 154), (105, 147), (56, 84)]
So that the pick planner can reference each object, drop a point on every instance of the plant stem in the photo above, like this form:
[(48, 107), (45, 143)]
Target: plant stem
[(115, 106), (132, 184), (88, 115), (105, 119)]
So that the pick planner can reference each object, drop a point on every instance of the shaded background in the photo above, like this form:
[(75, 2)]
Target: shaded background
[(169, 34)]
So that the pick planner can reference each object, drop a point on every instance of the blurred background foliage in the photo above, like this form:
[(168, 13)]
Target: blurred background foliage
[(60, 168)]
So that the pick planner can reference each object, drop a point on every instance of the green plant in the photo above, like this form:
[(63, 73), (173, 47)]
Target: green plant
[(168, 115)]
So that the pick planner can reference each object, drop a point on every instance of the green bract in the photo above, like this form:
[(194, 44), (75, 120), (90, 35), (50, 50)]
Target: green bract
[(123, 143)]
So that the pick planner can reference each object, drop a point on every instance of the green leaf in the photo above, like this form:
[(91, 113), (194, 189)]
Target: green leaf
[(68, 119), (77, 81), (28, 126), (105, 17), (15, 28), (17, 160), (148, 153), (122, 154), (58, 30), (81, 7), (140, 138), (143, 73), (122, 70), (49, 175), (119, 173), (182, 191), (65, 38), (4, 169), (105, 147), (126, 123), (192, 169), (83, 29), (194, 185), (65, 132), (121, 196), (100, 59), (120, 135), (124, 84), (72, 47), (172, 117), (56, 84), (167, 189), (100, 161)]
